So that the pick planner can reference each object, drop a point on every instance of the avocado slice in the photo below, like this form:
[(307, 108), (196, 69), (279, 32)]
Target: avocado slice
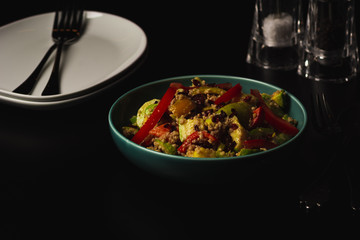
[(237, 133), (187, 127), (201, 152), (281, 138), (279, 97), (276, 102), (145, 111), (241, 109), (261, 132)]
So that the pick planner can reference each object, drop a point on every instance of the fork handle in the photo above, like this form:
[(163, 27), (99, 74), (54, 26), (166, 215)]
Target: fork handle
[(53, 87), (27, 86)]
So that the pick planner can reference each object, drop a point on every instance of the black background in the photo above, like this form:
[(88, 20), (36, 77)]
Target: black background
[(61, 176)]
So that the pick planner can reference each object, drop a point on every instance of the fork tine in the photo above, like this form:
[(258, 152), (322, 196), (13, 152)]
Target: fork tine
[(56, 20), (73, 18), (69, 19), (79, 19), (62, 19), (77, 14)]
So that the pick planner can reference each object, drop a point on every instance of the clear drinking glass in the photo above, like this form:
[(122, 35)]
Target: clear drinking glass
[(275, 34), (329, 50)]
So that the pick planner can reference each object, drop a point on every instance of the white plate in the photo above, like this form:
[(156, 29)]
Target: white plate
[(110, 44)]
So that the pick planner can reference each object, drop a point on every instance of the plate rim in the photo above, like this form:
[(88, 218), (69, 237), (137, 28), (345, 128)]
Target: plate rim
[(39, 101)]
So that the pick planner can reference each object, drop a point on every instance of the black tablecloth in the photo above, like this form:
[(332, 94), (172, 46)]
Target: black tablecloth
[(62, 176)]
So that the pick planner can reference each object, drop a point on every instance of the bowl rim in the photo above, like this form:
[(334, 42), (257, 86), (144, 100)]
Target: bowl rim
[(194, 159)]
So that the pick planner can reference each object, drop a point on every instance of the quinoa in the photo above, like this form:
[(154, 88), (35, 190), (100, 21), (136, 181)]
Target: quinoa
[(195, 126)]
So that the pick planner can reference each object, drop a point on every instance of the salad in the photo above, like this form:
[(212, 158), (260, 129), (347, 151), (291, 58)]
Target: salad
[(212, 120)]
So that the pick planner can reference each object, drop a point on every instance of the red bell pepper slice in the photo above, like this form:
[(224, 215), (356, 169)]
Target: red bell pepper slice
[(259, 143), (278, 123), (195, 135), (258, 117), (257, 94), (229, 94), (155, 116)]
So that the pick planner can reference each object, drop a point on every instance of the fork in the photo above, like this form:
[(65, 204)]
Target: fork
[(66, 30)]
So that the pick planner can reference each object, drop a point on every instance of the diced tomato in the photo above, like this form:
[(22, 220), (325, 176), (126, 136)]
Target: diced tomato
[(160, 130), (229, 94)]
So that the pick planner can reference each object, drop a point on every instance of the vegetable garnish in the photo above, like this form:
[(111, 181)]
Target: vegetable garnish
[(155, 116), (209, 120), (160, 130), (194, 136), (229, 94), (278, 123), (258, 117)]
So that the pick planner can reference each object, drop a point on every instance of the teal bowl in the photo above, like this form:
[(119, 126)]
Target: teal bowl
[(195, 169)]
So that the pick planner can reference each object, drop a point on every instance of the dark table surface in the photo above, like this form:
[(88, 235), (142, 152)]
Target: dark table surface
[(62, 176)]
